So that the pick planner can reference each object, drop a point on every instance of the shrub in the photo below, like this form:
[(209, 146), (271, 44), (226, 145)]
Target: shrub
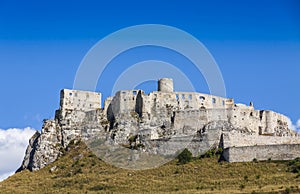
[(91, 155), (185, 156), (212, 152), (287, 190), (78, 171), (132, 139), (208, 154), (140, 145), (62, 166), (97, 188), (294, 165), (242, 186)]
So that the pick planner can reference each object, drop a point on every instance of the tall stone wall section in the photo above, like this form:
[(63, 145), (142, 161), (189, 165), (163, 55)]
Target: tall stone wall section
[(217, 108), (236, 138), (262, 152), (79, 100)]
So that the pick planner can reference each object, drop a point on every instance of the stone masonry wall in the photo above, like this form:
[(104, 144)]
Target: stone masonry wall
[(79, 100), (262, 152), (240, 139), (208, 121)]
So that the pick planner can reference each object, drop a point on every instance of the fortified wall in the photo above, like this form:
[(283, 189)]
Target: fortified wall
[(182, 113), (204, 107), (186, 113), (132, 117), (262, 152)]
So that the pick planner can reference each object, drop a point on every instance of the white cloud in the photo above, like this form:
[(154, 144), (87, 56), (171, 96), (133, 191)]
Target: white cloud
[(13, 143), (295, 127), (291, 125), (6, 175), (298, 124)]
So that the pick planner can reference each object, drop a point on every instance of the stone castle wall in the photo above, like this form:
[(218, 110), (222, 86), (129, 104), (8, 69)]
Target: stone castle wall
[(240, 139), (262, 152), (182, 111), (79, 100), (216, 108), (208, 121)]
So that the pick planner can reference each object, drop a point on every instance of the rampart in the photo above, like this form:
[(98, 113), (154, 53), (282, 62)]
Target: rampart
[(262, 152)]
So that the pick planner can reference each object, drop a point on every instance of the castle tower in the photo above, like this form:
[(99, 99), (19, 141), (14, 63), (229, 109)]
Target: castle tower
[(165, 85)]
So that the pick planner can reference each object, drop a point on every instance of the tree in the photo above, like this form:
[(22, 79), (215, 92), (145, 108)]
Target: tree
[(185, 156)]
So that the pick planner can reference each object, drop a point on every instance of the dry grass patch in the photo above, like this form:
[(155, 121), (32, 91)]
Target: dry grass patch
[(80, 171)]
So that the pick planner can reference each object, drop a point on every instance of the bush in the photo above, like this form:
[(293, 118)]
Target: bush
[(78, 171), (294, 165), (287, 190), (212, 152), (242, 186), (185, 156), (97, 188), (132, 139)]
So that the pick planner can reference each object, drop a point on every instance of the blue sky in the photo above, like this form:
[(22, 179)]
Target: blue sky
[(255, 43)]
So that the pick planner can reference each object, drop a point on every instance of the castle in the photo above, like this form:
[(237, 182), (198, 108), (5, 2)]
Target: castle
[(201, 121)]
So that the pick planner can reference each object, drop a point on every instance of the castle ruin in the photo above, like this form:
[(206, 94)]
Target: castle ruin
[(242, 132)]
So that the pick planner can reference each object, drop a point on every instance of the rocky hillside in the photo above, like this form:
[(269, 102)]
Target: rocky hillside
[(79, 171)]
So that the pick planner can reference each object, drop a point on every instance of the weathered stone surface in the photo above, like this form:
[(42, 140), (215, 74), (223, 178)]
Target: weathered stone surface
[(262, 152), (162, 122), (43, 148), (28, 159)]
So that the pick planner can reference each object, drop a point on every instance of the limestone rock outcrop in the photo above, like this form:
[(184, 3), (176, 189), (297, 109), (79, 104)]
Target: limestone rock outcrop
[(43, 148)]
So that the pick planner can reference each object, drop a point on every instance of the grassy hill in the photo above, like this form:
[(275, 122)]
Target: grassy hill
[(80, 171)]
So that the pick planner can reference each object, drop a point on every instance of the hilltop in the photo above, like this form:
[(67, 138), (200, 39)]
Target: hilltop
[(131, 144), (78, 170), (135, 130)]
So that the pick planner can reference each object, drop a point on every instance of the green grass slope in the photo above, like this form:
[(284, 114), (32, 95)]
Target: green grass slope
[(80, 171)]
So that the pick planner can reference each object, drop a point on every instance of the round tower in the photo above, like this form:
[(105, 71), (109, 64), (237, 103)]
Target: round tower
[(165, 85)]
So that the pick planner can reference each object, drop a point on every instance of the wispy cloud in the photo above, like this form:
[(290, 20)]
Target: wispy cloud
[(6, 175), (295, 127), (13, 143), (298, 124)]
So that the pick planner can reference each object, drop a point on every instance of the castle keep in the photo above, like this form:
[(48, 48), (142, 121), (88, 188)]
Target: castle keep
[(206, 121)]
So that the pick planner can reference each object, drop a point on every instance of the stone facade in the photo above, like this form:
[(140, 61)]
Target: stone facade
[(197, 121), (262, 152)]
